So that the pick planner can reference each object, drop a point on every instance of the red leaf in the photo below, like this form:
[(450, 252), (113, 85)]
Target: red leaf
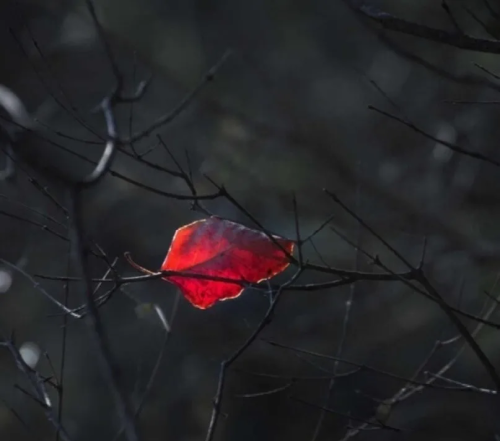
[(217, 247), (221, 248)]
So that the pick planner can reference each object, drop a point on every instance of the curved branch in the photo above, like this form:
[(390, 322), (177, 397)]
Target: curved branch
[(393, 23)]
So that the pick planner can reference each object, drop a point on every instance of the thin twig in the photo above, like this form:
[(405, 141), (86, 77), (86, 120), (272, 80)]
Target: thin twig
[(422, 279), (393, 23), (450, 145), (226, 364)]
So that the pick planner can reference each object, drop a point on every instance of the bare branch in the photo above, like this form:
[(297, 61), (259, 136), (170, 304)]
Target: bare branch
[(393, 23)]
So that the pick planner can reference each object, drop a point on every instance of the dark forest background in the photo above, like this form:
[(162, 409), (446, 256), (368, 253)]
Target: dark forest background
[(288, 113)]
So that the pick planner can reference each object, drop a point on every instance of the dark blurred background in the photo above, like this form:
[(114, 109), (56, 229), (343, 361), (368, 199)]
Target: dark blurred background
[(286, 114)]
